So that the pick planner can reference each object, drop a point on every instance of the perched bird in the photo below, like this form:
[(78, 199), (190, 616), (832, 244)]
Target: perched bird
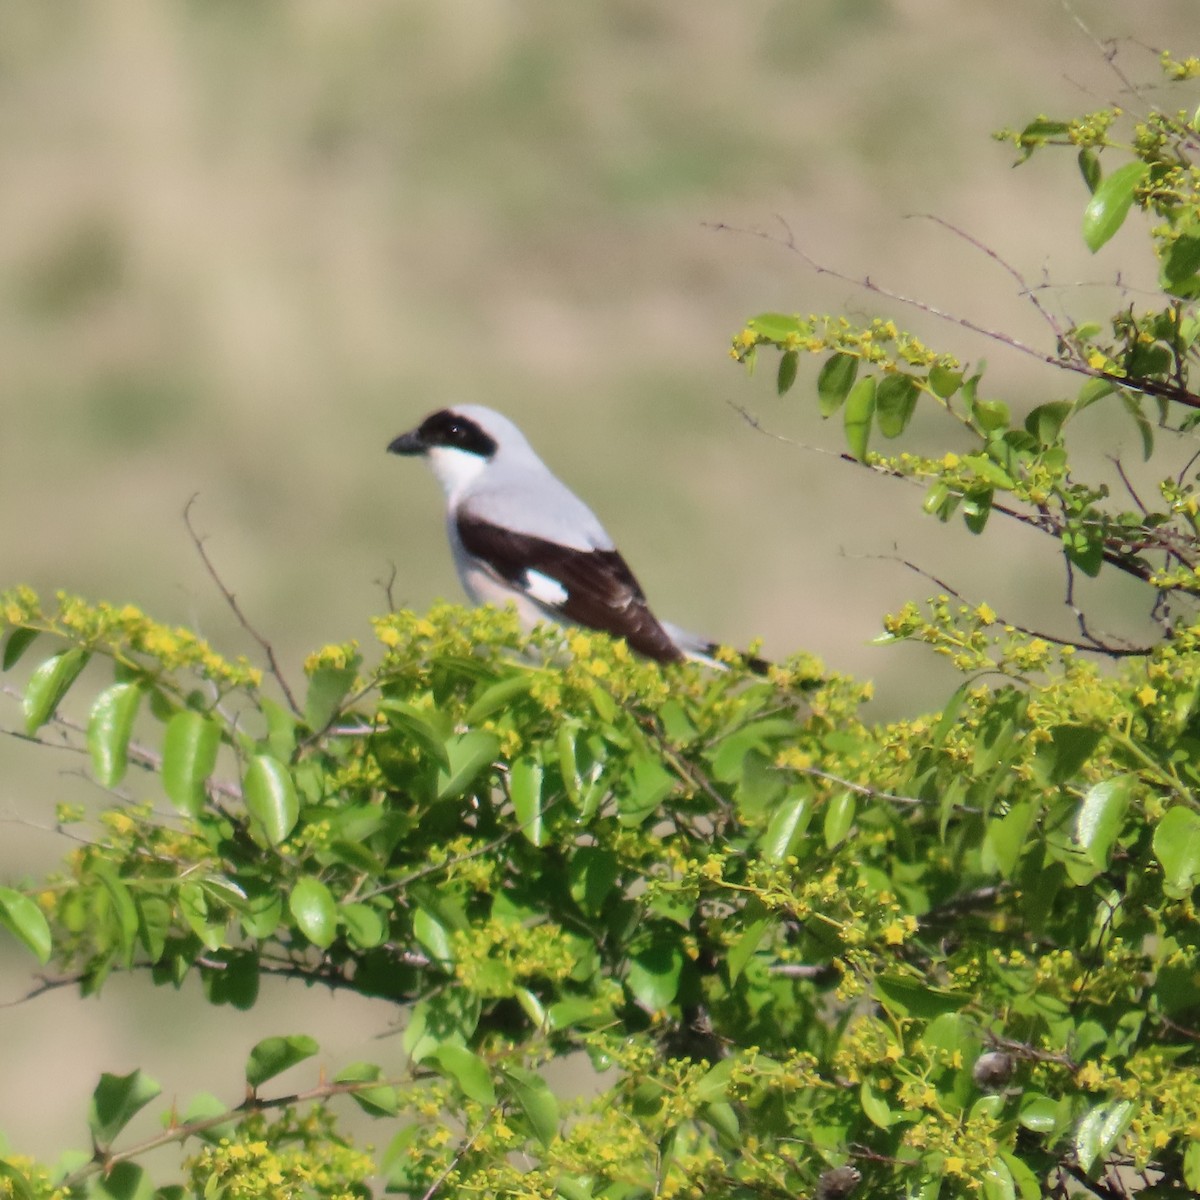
[(519, 535)]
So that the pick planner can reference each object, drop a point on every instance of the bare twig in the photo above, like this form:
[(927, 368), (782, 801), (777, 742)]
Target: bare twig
[(1025, 289), (231, 600)]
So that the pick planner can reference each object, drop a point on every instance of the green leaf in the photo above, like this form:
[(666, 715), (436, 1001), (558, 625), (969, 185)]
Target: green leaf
[(327, 688), (271, 798), (1177, 847), (1182, 261), (741, 952), (1100, 1130), (1089, 168), (450, 1015), (467, 754), (839, 817), (944, 381), (468, 1070), (1093, 390), (647, 787), (525, 791), (366, 927), (204, 1106), (990, 416), (189, 756), (530, 1096), (592, 873), (498, 695), (860, 409), (908, 996), (1062, 757), (433, 935), (420, 725), (315, 910), (788, 364), (1110, 203), (207, 925), (787, 825), (49, 684), (124, 911), (25, 921), (274, 1055), (895, 402), (381, 1100), (834, 382), (1005, 838), (125, 1181), (875, 1106), (109, 728), (18, 1183), (116, 1100), (1101, 817), (1039, 1113), (1046, 421), (775, 327), (17, 643), (1133, 406), (654, 973)]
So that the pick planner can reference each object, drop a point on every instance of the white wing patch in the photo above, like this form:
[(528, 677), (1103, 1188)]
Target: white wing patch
[(545, 590)]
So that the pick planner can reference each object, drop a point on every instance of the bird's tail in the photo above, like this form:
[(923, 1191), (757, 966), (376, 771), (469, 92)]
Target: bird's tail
[(704, 650)]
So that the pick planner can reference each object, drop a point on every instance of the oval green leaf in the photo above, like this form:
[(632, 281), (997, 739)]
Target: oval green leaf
[(327, 688), (839, 816), (21, 638), (274, 1055), (378, 1099), (654, 974), (895, 402), (860, 409), (365, 926), (787, 826), (1100, 818), (49, 684), (529, 1094), (116, 1100), (271, 798), (787, 371), (834, 382), (525, 790), (1110, 203), (1177, 848), (315, 910), (467, 1070), (26, 922), (189, 756), (467, 754), (109, 728)]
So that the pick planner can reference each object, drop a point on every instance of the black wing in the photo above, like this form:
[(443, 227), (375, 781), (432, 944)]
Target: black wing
[(601, 591)]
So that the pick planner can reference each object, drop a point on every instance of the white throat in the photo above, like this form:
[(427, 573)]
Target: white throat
[(454, 469)]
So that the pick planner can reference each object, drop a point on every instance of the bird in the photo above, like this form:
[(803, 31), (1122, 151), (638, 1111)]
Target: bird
[(519, 535)]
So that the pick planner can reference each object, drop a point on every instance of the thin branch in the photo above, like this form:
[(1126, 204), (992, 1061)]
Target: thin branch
[(460, 1154), (105, 1160), (862, 789), (1025, 289), (1093, 644), (1148, 387), (231, 600)]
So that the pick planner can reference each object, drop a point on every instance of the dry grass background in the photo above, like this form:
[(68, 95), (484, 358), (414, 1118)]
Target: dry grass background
[(242, 245)]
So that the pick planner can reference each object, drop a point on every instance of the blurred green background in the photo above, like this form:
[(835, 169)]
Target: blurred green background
[(242, 245)]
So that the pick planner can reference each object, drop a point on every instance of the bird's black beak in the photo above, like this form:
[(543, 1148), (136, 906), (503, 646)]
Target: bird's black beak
[(408, 443)]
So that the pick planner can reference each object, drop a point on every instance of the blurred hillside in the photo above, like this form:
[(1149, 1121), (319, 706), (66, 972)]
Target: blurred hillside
[(242, 245)]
